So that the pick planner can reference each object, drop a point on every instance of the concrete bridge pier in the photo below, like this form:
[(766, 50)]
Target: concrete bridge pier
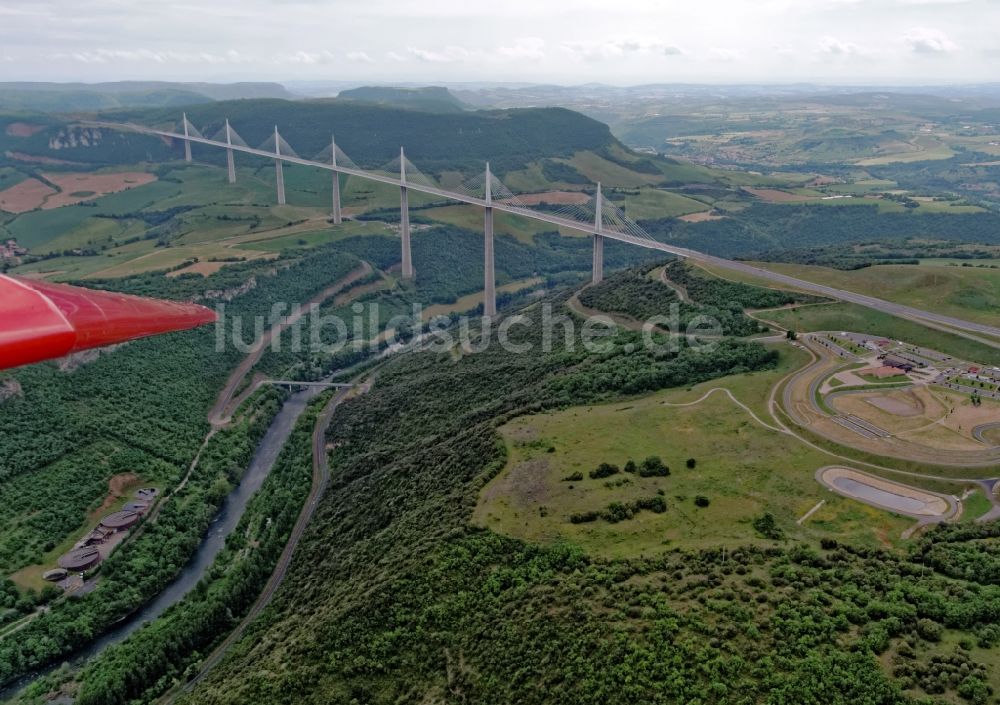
[(598, 261), (187, 142), (230, 162), (404, 218), (336, 183), (489, 277), (279, 174)]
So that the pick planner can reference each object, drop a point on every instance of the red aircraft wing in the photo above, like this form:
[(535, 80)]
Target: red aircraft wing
[(42, 320)]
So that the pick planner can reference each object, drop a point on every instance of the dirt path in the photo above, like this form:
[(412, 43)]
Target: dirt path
[(221, 412), (681, 291), (736, 401)]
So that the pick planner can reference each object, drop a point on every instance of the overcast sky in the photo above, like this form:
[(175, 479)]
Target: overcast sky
[(566, 41)]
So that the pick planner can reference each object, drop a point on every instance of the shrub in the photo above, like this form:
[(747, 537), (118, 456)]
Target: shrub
[(766, 526), (616, 512), (583, 518), (691, 463), (653, 467), (929, 630), (653, 504), (574, 477), (604, 470), (701, 501), (630, 465)]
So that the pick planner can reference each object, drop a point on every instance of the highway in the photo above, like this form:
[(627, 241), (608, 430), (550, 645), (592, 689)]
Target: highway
[(899, 310)]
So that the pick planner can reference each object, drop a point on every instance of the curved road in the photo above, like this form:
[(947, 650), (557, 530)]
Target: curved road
[(645, 240), (220, 412), (320, 478), (898, 310)]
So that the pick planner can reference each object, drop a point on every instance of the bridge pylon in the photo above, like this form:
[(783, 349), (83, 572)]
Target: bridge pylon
[(187, 141), (336, 183), (404, 218), (279, 174), (597, 273), (489, 277), (230, 161)]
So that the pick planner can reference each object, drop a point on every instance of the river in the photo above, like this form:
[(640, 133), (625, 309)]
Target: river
[(212, 543)]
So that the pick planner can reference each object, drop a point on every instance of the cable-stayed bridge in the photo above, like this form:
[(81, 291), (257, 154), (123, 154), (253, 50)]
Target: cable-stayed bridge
[(597, 217)]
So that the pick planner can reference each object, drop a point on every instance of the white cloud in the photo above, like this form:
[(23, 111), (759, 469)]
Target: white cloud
[(923, 40), (723, 54), (561, 41), (105, 56), (831, 46), (524, 48), (308, 58), (618, 48), (445, 56)]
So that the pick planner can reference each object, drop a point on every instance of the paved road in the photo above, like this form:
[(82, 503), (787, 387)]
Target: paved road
[(964, 327), (889, 307), (320, 478), (219, 415)]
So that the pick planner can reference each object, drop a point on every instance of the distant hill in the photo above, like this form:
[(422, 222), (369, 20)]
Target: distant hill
[(533, 149), (89, 97), (372, 134), (430, 98)]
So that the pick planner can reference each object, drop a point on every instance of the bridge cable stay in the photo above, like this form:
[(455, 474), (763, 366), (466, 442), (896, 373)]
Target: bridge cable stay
[(234, 136), (276, 139), (343, 160), (582, 213), (191, 130), (613, 219), (473, 187), (413, 174)]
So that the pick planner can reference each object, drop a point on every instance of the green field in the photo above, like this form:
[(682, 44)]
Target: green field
[(314, 238), (863, 320), (975, 505), (743, 468), (970, 293), (657, 203)]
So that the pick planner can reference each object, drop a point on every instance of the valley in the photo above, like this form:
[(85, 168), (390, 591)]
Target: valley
[(794, 501)]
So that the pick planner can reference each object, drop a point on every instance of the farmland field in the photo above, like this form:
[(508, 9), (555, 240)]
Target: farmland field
[(970, 293)]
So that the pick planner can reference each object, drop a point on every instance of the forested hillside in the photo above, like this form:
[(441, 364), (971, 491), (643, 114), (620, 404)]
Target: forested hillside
[(642, 298), (371, 134), (394, 598), (767, 227)]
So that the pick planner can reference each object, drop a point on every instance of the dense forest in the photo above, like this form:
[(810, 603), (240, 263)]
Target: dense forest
[(707, 290), (158, 550), (371, 134), (408, 603), (767, 227), (139, 408), (638, 295)]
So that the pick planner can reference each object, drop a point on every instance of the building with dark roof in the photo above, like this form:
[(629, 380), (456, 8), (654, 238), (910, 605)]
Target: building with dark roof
[(120, 520), (79, 559)]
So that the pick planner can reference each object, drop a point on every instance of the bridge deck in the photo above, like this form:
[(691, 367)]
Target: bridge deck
[(953, 324)]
